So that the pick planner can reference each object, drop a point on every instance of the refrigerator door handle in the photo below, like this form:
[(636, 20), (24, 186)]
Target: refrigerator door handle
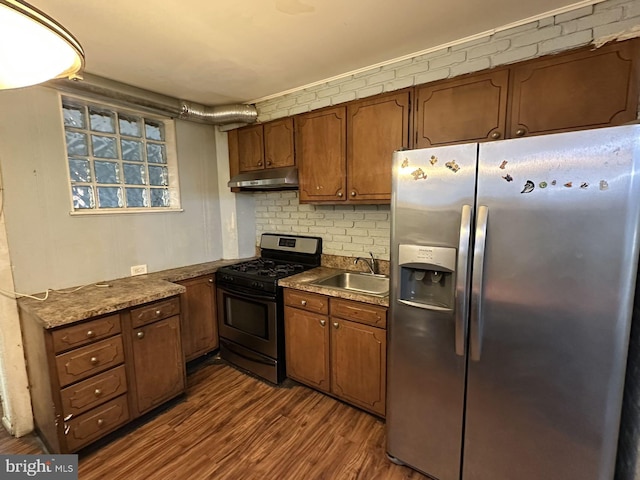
[(476, 321), (462, 281)]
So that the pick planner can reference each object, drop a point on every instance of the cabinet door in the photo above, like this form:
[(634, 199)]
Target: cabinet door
[(375, 129), (199, 325), (321, 154), (251, 148), (469, 109), (278, 143), (158, 363), (577, 90), (358, 364), (307, 347)]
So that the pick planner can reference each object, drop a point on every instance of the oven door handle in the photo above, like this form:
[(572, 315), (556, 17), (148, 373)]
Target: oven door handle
[(247, 294)]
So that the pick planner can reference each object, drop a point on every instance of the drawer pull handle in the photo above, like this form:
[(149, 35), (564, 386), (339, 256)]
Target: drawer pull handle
[(97, 392), (140, 334), (100, 422), (336, 325), (91, 334), (158, 312), (323, 322), (304, 303), (94, 360)]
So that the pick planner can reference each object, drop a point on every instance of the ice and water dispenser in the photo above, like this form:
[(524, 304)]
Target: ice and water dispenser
[(427, 276)]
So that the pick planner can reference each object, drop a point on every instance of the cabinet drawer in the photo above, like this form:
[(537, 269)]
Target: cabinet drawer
[(359, 312), (155, 311), (86, 361), (86, 332), (96, 423), (94, 391), (311, 302)]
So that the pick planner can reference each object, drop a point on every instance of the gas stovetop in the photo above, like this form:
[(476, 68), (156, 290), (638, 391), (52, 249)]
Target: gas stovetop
[(282, 256)]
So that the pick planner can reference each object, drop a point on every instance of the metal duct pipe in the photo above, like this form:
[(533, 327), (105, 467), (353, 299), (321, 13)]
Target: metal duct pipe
[(221, 115), (100, 88)]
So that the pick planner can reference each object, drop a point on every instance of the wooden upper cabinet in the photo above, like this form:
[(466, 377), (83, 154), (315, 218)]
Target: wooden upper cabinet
[(468, 109), (376, 128), (320, 140), (278, 143), (575, 90), (268, 145), (251, 148)]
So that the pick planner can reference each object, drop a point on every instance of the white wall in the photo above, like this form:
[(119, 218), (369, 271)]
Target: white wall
[(51, 249), (347, 230)]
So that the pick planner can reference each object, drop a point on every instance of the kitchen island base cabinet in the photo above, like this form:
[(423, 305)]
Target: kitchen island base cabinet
[(90, 377), (337, 346)]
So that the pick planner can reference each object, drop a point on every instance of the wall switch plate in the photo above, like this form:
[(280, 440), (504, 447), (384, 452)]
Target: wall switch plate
[(138, 270)]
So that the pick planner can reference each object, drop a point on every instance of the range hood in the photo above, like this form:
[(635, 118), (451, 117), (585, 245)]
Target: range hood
[(267, 179)]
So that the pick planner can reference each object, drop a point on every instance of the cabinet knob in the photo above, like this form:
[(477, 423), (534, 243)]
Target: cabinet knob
[(340, 194), (100, 422), (97, 392), (91, 334), (520, 132), (140, 334), (94, 360), (158, 312), (269, 163), (211, 280), (323, 322), (303, 303), (353, 194), (336, 324), (259, 164), (495, 135)]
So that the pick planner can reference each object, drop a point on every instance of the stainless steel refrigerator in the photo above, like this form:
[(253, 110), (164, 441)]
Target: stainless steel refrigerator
[(513, 266)]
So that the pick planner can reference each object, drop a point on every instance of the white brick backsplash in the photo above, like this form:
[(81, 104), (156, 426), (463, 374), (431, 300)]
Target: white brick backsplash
[(573, 14), (455, 57), (355, 230), (370, 91), (489, 49), (566, 41), (472, 66), (537, 36), (433, 75)]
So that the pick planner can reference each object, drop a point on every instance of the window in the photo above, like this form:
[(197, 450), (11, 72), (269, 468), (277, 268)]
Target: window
[(119, 160)]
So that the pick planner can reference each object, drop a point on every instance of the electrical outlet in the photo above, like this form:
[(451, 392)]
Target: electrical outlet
[(138, 270)]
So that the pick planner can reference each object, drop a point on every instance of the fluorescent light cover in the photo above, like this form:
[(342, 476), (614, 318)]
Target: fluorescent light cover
[(33, 47)]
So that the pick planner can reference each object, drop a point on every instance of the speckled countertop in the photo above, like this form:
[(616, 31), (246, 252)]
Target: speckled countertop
[(65, 308), (303, 281)]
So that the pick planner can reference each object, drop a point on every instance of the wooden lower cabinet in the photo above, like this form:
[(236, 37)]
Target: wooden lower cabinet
[(198, 316), (158, 363), (341, 352), (91, 377)]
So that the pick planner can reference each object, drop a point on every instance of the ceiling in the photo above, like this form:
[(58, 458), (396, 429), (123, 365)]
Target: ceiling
[(218, 52)]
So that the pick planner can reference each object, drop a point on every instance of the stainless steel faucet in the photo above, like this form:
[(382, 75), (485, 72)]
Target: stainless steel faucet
[(372, 264)]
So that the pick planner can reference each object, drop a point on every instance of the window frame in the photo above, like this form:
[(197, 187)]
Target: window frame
[(169, 141)]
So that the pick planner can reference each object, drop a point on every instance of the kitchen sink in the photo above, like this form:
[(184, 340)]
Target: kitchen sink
[(357, 282)]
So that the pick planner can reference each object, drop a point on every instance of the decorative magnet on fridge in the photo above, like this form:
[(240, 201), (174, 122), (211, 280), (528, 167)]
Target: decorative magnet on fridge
[(503, 164), (405, 163), (419, 174), (433, 160), (508, 178), (453, 166), (528, 187)]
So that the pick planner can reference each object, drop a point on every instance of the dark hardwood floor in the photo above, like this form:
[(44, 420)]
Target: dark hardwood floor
[(232, 426)]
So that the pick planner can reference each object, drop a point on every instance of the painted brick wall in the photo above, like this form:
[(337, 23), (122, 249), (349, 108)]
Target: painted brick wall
[(352, 230)]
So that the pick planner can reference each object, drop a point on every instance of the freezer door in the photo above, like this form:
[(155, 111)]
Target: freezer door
[(549, 330), (433, 192)]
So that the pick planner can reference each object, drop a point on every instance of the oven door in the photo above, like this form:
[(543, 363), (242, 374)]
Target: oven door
[(249, 319)]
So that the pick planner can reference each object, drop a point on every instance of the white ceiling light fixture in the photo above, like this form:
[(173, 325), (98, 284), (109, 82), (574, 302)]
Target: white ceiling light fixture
[(34, 47)]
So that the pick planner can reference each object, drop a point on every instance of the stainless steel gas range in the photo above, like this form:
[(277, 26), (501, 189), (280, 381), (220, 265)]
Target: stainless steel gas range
[(250, 304)]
